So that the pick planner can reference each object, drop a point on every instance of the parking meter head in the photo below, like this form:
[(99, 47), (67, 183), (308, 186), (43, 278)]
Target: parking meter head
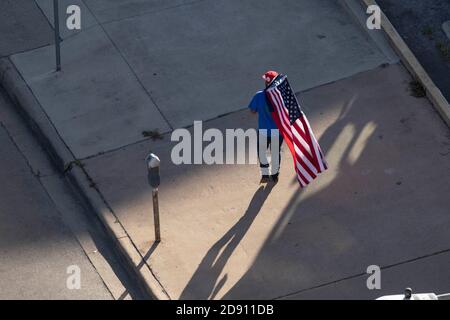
[(153, 163)]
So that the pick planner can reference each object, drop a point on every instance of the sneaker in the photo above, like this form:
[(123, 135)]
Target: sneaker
[(274, 177), (264, 179)]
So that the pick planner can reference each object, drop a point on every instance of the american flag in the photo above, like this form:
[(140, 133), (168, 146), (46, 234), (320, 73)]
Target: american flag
[(294, 126)]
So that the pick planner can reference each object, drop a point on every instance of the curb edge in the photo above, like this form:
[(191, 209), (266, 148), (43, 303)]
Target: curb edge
[(36, 119), (410, 61)]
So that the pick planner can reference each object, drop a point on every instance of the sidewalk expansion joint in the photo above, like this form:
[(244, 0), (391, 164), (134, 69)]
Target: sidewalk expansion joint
[(364, 274), (131, 69), (149, 12)]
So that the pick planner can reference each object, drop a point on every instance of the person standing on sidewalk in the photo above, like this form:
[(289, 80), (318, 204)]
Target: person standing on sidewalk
[(268, 135)]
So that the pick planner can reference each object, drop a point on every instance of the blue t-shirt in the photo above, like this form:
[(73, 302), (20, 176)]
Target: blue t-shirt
[(260, 104)]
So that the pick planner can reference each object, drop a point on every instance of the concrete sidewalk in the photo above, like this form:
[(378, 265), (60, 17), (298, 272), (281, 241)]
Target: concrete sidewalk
[(160, 65), (168, 67), (23, 27), (383, 201)]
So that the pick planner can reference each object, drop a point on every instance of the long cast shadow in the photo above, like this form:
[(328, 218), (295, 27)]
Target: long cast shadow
[(203, 283), (264, 263)]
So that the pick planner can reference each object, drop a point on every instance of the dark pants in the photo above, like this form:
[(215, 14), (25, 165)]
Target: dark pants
[(275, 152)]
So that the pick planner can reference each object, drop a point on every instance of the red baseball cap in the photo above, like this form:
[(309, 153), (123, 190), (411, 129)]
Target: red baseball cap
[(269, 76)]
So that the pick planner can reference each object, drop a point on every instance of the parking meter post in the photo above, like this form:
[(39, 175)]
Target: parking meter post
[(57, 37), (156, 215), (153, 163)]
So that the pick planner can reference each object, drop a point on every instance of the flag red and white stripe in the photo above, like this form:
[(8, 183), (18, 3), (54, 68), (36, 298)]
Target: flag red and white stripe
[(309, 160)]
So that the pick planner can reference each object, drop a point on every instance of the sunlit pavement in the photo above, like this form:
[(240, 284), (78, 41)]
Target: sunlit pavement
[(382, 202)]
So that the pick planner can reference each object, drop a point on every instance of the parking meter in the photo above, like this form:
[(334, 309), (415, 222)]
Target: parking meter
[(153, 163), (154, 180)]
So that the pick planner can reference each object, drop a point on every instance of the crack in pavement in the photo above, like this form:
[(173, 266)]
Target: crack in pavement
[(362, 274)]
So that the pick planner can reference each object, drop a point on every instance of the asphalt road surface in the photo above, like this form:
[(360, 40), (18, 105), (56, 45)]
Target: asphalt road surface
[(420, 24), (38, 245)]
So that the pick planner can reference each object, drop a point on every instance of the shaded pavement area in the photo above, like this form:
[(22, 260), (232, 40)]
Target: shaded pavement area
[(420, 23), (36, 245)]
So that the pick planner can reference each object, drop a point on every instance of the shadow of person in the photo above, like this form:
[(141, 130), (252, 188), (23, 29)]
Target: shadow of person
[(203, 282), (284, 266)]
